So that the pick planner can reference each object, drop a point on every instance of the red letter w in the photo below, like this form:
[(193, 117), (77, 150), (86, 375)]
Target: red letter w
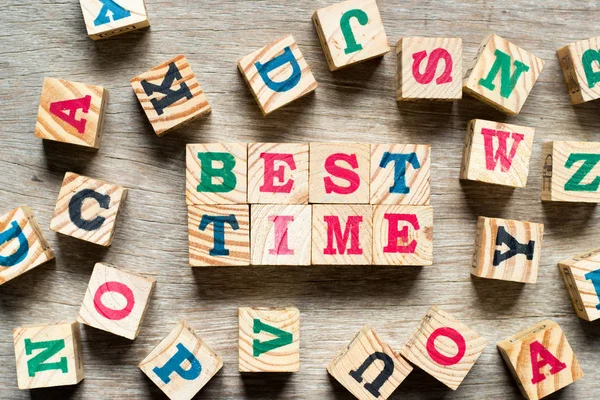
[(491, 159)]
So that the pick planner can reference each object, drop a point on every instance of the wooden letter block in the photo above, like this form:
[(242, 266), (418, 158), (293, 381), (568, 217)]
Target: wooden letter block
[(170, 95), (350, 32), (277, 74), (582, 277), (71, 112), (579, 62), (444, 347), (219, 235), (342, 234), (402, 235), (181, 364), (541, 360), (502, 74), (428, 69), (87, 209), (48, 355), (216, 173), (278, 173), (400, 174), (269, 339), (571, 172), (281, 234), (339, 173), (116, 301), (369, 368), (105, 18), (507, 250), (22, 244), (497, 153)]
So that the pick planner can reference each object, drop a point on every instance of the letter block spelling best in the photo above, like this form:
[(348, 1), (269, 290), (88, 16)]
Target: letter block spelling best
[(105, 18), (579, 62), (582, 277)]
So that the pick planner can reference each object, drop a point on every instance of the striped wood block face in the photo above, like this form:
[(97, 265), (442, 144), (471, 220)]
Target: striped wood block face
[(578, 61), (582, 277), (103, 19)]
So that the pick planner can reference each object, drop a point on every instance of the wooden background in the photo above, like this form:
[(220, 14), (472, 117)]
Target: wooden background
[(48, 38)]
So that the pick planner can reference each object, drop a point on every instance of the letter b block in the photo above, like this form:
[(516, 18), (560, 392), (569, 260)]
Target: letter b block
[(579, 62), (582, 277), (106, 18)]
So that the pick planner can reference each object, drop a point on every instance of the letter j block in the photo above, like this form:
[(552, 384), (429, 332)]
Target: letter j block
[(579, 62), (106, 18)]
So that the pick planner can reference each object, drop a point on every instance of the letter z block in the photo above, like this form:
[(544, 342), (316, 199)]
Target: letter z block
[(106, 18), (579, 63), (582, 277)]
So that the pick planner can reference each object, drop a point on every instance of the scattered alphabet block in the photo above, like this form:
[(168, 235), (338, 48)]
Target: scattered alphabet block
[(579, 63), (540, 359), (502, 74), (181, 364), (582, 277), (48, 355), (106, 18)]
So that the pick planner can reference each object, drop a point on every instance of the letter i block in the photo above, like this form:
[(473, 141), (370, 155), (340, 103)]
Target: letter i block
[(22, 244), (428, 69), (170, 95), (502, 74), (368, 367), (540, 359), (579, 62), (71, 112), (106, 18), (87, 209), (48, 355), (497, 153), (116, 301), (350, 32), (181, 364), (444, 347), (269, 339), (277, 74), (582, 277)]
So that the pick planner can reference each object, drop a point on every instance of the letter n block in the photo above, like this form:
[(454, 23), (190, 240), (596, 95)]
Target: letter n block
[(502, 74), (48, 355), (106, 18), (541, 360), (181, 364), (582, 277), (579, 62), (368, 367), (87, 209), (277, 74), (444, 347)]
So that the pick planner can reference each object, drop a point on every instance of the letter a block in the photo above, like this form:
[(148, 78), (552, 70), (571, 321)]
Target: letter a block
[(106, 18), (277, 74), (444, 347), (350, 32), (181, 364), (540, 359), (87, 209), (582, 277), (48, 355), (269, 339), (579, 62), (502, 74), (368, 367), (116, 301)]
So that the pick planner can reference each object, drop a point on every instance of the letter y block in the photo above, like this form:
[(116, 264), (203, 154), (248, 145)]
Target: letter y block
[(106, 18), (579, 62)]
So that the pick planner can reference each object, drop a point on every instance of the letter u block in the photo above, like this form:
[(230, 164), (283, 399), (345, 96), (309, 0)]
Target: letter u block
[(181, 364), (277, 74), (368, 367), (582, 277), (88, 209), (579, 62), (502, 74), (444, 347), (106, 18), (540, 359), (48, 355)]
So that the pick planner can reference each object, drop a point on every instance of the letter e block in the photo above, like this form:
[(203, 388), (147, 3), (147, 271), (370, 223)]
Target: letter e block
[(582, 277), (579, 62), (106, 18)]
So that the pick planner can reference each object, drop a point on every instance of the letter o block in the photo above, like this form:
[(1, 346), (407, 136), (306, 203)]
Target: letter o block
[(579, 62), (582, 278), (106, 18)]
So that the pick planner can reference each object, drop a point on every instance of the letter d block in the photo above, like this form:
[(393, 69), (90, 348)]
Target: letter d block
[(582, 277), (106, 18), (540, 359), (181, 364), (579, 63)]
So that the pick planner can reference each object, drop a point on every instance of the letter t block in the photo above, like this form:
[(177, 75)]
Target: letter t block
[(579, 62)]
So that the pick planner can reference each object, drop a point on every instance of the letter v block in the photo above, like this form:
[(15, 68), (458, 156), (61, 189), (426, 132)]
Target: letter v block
[(106, 18), (181, 364), (48, 355), (541, 360), (579, 62), (582, 277)]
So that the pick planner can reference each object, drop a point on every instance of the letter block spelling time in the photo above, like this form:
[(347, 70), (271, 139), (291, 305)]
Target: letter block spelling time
[(579, 62), (22, 244), (368, 367), (106, 18), (181, 364), (582, 277), (277, 74), (502, 74), (48, 355), (540, 359), (444, 347), (350, 32), (88, 209)]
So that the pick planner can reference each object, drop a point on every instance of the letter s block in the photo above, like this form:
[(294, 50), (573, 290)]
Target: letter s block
[(582, 278), (579, 63), (106, 18)]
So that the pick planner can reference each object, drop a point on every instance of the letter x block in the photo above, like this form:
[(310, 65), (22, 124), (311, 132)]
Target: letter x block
[(277, 74), (579, 62), (502, 74), (181, 364), (105, 18), (170, 95), (48, 355), (87, 209), (368, 367), (582, 277), (507, 250), (444, 347), (540, 359)]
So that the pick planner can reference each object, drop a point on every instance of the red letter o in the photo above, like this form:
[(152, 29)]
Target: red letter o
[(452, 334), (110, 313)]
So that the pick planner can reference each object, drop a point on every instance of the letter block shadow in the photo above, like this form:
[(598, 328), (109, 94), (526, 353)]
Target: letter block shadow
[(106, 18), (579, 62), (582, 278)]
